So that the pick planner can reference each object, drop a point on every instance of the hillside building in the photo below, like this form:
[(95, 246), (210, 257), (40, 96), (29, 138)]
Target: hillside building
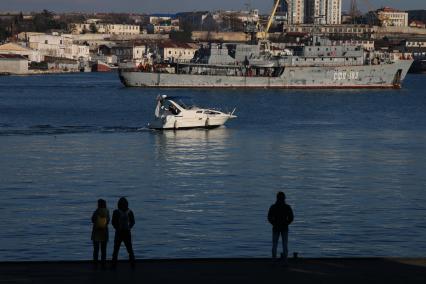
[(94, 26), (417, 24), (162, 24), (16, 49), (13, 64), (389, 17), (61, 46), (323, 12)]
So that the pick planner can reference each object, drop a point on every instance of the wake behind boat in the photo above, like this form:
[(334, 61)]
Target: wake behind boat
[(172, 115)]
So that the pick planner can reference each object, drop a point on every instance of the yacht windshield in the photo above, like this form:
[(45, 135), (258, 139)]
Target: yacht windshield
[(184, 105)]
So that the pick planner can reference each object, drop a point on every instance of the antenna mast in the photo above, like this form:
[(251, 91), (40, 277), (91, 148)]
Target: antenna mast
[(353, 9)]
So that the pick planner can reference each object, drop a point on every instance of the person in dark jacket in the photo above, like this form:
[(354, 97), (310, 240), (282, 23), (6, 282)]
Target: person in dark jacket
[(123, 221), (100, 220), (280, 215)]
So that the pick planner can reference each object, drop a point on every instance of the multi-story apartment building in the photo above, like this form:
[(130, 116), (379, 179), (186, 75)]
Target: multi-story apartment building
[(334, 12), (315, 11), (295, 11), (325, 12)]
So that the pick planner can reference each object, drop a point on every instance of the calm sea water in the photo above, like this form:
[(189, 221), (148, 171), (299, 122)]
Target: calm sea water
[(352, 163)]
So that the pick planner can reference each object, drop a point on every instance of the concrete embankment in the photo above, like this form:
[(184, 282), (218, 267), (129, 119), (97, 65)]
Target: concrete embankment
[(200, 271)]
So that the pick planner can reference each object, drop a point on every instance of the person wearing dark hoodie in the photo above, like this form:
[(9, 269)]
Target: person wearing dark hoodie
[(280, 215), (100, 220), (123, 221)]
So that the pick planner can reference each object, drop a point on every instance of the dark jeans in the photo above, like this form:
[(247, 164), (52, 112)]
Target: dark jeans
[(275, 237), (103, 246), (126, 237)]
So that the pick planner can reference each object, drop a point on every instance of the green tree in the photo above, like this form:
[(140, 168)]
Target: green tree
[(45, 21), (93, 28), (3, 31)]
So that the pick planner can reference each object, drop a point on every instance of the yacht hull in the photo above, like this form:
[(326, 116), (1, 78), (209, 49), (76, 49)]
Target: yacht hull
[(172, 122)]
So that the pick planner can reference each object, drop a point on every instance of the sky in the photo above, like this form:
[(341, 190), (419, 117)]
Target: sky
[(173, 6)]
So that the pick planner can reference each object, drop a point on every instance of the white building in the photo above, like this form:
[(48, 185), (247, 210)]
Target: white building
[(390, 17), (118, 29), (162, 29), (79, 52), (92, 40), (324, 12), (178, 51), (58, 46), (24, 36), (251, 16), (16, 49), (112, 29), (50, 45), (13, 64), (162, 24)]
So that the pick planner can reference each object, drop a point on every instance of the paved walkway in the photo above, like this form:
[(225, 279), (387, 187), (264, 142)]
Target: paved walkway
[(200, 271)]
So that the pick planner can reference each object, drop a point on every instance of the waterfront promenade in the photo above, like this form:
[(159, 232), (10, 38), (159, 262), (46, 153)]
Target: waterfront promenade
[(200, 271)]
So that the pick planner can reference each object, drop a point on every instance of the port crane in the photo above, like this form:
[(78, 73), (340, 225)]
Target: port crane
[(264, 33)]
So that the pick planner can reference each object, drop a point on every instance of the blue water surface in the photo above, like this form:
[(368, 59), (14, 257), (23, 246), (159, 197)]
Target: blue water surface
[(352, 163)]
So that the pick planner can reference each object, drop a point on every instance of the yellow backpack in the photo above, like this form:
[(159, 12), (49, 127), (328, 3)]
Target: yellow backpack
[(101, 220)]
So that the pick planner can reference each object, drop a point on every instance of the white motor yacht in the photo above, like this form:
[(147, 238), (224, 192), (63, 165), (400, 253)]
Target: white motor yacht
[(172, 115)]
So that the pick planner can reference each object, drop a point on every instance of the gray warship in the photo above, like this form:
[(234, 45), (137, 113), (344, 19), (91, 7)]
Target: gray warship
[(319, 65)]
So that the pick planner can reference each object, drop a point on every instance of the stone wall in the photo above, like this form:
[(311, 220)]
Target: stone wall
[(219, 36), (399, 30), (13, 66)]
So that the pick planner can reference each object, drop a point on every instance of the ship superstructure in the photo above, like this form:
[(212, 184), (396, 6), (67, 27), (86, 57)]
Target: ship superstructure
[(319, 65)]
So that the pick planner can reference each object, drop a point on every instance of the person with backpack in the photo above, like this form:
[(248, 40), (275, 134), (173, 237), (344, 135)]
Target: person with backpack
[(100, 220), (280, 215), (123, 221)]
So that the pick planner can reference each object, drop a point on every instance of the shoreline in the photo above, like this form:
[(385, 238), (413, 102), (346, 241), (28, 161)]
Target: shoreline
[(49, 72), (221, 270)]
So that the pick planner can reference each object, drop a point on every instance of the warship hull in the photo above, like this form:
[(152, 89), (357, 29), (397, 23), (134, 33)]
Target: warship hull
[(365, 76), (419, 66)]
